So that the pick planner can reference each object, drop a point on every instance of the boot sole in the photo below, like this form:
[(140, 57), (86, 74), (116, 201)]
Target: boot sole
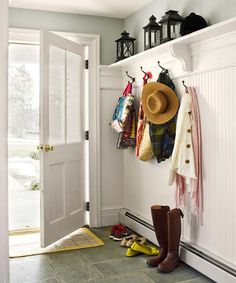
[(154, 265), (170, 270)]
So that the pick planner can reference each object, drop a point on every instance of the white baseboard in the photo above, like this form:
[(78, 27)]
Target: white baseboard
[(190, 258), (205, 267), (110, 216)]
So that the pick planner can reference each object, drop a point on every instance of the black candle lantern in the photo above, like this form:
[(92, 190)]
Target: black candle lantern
[(170, 26), (125, 46), (152, 33)]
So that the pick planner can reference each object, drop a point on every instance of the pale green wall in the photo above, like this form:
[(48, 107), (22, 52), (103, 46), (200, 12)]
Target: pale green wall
[(213, 11), (108, 28)]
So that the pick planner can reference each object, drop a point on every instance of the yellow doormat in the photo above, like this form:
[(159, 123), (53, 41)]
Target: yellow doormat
[(29, 244)]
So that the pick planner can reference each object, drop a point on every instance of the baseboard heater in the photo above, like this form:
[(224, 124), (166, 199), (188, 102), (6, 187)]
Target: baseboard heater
[(200, 260)]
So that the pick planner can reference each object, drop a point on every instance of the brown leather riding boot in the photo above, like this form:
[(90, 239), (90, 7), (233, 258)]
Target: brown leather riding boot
[(174, 231), (159, 218)]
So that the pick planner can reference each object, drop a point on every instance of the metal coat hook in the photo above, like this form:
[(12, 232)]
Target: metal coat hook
[(186, 88), (163, 69), (144, 72), (132, 78)]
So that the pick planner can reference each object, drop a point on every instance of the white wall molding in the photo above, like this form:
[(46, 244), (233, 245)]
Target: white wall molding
[(94, 133), (184, 49), (205, 267), (17, 35), (110, 78), (213, 43), (110, 215), (182, 53), (206, 56), (4, 259)]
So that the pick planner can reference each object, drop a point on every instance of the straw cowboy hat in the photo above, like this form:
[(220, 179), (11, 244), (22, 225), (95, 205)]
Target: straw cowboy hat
[(160, 103)]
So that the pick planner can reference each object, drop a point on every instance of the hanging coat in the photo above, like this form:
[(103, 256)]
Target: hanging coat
[(163, 136), (182, 161)]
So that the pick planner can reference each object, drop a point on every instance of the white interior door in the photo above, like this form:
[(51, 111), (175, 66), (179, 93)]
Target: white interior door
[(62, 137)]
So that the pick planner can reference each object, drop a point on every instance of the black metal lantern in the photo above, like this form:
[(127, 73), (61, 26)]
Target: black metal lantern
[(125, 46), (170, 26), (152, 32)]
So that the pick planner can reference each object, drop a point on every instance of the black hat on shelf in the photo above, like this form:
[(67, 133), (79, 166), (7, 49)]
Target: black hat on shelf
[(192, 23)]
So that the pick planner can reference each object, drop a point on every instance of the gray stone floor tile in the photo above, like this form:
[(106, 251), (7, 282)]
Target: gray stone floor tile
[(103, 232), (121, 266), (30, 269), (202, 279), (111, 250), (79, 274), (124, 278), (181, 273), (105, 264), (62, 261), (72, 268), (53, 280)]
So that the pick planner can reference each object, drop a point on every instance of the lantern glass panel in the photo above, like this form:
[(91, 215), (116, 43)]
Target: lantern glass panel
[(164, 27), (119, 52), (127, 49), (153, 38), (146, 39), (174, 29)]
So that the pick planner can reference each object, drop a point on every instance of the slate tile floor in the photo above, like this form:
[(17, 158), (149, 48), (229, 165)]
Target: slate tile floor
[(106, 264)]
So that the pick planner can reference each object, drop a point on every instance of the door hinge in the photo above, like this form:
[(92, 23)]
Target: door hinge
[(86, 64), (87, 135), (87, 206)]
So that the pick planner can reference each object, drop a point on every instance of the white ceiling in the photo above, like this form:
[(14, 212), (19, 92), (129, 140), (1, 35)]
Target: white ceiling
[(107, 8)]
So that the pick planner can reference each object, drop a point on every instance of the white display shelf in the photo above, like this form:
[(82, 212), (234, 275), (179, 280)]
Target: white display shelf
[(180, 48)]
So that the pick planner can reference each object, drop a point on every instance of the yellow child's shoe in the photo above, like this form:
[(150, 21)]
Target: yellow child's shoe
[(130, 252), (146, 249)]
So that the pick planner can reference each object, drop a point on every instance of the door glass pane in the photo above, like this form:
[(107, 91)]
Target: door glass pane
[(73, 98), (56, 95)]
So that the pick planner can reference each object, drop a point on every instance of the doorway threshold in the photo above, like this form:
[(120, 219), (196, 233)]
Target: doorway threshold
[(23, 242), (23, 231), (29, 244)]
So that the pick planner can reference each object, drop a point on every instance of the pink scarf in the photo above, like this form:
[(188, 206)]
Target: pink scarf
[(196, 196)]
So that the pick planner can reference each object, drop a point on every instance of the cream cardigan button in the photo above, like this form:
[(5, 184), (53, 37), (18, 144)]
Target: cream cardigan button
[(188, 145), (189, 130), (187, 161)]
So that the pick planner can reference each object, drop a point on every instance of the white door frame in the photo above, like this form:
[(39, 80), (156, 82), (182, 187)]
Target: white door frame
[(93, 43), (4, 257)]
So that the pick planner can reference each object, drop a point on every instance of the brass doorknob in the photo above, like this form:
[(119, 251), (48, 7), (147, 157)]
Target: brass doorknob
[(40, 147), (48, 148)]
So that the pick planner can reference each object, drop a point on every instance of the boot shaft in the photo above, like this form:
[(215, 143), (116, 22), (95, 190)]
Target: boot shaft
[(174, 232), (174, 229), (160, 224)]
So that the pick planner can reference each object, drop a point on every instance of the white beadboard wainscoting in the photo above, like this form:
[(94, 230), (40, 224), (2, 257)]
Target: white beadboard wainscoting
[(213, 64), (112, 159), (146, 183)]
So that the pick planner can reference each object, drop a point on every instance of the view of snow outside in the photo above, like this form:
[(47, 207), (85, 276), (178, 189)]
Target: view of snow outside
[(23, 137)]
